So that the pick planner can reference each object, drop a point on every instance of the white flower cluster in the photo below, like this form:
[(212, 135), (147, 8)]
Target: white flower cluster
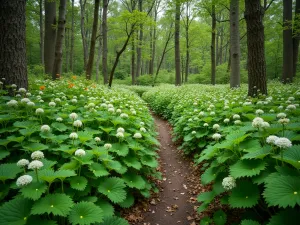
[(260, 123), (37, 155), (216, 136), (97, 139), (120, 135), (24, 180), (124, 115), (73, 135), (73, 116), (236, 117), (228, 183), (259, 112), (226, 120), (284, 121), (281, 115), (194, 132), (22, 162), (216, 126), (12, 103), (22, 90), (35, 164), (52, 104), (283, 142), (45, 128), (80, 152), (59, 119), (137, 135), (39, 111), (77, 123), (143, 129), (107, 146)]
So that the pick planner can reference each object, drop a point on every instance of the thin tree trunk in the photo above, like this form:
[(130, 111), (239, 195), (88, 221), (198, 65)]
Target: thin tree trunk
[(257, 78), (221, 48), (177, 43), (140, 43), (104, 36), (187, 56), (59, 39), (234, 44), (41, 33), (133, 81), (50, 35), (67, 32), (89, 67), (83, 32), (217, 46), (13, 43), (296, 37), (72, 39), (213, 45), (99, 48), (287, 71)]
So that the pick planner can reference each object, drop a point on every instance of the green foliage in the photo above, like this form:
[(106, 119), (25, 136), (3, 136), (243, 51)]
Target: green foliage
[(85, 213)]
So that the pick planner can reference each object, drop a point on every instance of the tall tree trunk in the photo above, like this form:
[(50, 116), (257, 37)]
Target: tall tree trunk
[(287, 71), (72, 40), (83, 32), (67, 52), (99, 47), (177, 43), (187, 39), (41, 33), (221, 45), (93, 41), (153, 45), (234, 44), (257, 78), (296, 37), (217, 46), (50, 35), (104, 39), (13, 43), (140, 43), (133, 81), (213, 44), (59, 39)]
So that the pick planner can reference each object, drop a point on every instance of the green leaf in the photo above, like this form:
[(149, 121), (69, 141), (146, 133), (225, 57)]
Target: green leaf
[(98, 169), (206, 197), (85, 213), (128, 202), (134, 181), (132, 161), (120, 149), (113, 188), (113, 220), (149, 161), (247, 168), (209, 175), (205, 221), (34, 190), (245, 195), (4, 154), (35, 147), (9, 171), (72, 165), (47, 175), (59, 126), (57, 204), (25, 124), (259, 154), (62, 174), (291, 156), (249, 222), (282, 191), (108, 209), (84, 136), (15, 139), (78, 183), (220, 217), (288, 217), (37, 220)]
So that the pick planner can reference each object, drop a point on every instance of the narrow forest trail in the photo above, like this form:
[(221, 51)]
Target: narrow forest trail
[(173, 205)]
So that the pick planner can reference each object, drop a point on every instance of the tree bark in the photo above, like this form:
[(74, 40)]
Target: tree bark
[(13, 43), (187, 39), (257, 79), (234, 44), (72, 39), (153, 41), (296, 37), (50, 35), (140, 43), (287, 71), (83, 32), (104, 40), (41, 32), (213, 44), (99, 47), (177, 44), (59, 40), (67, 47), (93, 41), (133, 81)]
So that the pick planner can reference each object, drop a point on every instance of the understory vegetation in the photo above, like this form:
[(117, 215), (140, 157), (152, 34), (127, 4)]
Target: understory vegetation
[(248, 147), (73, 152)]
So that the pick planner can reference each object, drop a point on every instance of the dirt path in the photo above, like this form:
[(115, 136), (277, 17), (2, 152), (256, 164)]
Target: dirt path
[(172, 206)]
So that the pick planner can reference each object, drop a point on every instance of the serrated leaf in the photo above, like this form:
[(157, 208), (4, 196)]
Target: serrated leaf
[(47, 175), (132, 161), (128, 202), (287, 216), (37, 220), (291, 156), (62, 174), (247, 168), (206, 197), (209, 175), (84, 136), (35, 147), (78, 183), (4, 154), (259, 154), (56, 204), (98, 169), (113, 188), (9, 171), (113, 220), (220, 217), (120, 148), (59, 126), (244, 195), (205, 221), (149, 161), (34, 190), (85, 213), (249, 222), (15, 212), (108, 209), (134, 181), (15, 138)]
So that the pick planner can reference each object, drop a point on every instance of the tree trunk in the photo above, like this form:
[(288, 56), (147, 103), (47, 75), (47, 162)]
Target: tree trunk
[(153, 45), (50, 35), (234, 44), (59, 39), (41, 32), (177, 43), (67, 52), (133, 81), (83, 32), (104, 39), (89, 67), (187, 39), (296, 37), (13, 43), (257, 78), (213, 44), (221, 45), (72, 40), (140, 43), (99, 48), (287, 71)]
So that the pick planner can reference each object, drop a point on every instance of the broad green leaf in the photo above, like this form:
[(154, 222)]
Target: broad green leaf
[(35, 147), (9, 171), (4, 154), (287, 216), (249, 222), (128, 202), (247, 168), (291, 156), (98, 169), (59, 126), (120, 149), (134, 181), (34, 190), (220, 217), (113, 220), (113, 188), (85, 213), (78, 183), (108, 209)]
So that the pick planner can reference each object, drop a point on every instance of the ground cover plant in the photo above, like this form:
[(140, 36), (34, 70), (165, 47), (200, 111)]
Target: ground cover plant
[(73, 152), (249, 147)]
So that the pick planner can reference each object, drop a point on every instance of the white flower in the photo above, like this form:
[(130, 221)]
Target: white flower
[(205, 124), (137, 135), (73, 116), (291, 107), (226, 120), (25, 100), (35, 164), (22, 90), (103, 105), (143, 129), (194, 132), (142, 123), (57, 100), (80, 152), (120, 135), (257, 122), (236, 117), (37, 155), (52, 104), (271, 139), (281, 115), (97, 139), (237, 122), (283, 142), (24, 180), (265, 125), (77, 123), (212, 113), (110, 106), (13, 86), (45, 128), (73, 135), (284, 121), (228, 183), (120, 129), (12, 103), (133, 112), (107, 146), (22, 162), (124, 115), (216, 136), (201, 113), (30, 104), (272, 110), (59, 119), (74, 100), (91, 105), (216, 126), (39, 111), (111, 110), (118, 110), (259, 112)]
